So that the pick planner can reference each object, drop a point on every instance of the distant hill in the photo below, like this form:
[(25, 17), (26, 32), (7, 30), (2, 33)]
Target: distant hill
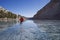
[(4, 13), (50, 12)]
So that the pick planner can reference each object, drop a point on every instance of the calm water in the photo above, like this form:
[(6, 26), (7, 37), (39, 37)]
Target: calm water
[(30, 30)]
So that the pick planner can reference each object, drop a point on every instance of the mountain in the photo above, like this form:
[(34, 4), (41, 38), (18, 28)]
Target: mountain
[(4, 13), (49, 12), (3, 9)]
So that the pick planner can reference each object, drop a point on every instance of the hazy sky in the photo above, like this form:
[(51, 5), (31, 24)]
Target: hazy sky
[(26, 8)]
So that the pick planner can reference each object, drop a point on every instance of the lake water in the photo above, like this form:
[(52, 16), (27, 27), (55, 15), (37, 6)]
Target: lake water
[(30, 30)]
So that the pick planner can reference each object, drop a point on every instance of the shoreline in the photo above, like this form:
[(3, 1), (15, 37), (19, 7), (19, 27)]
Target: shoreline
[(8, 19)]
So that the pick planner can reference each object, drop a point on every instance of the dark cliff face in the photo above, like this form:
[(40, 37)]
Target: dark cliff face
[(50, 11)]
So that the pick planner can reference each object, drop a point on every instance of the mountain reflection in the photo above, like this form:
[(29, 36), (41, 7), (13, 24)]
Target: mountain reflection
[(49, 27), (6, 24)]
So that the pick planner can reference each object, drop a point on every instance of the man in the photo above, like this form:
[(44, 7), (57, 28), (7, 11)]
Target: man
[(21, 19)]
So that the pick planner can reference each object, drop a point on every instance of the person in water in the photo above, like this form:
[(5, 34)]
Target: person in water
[(21, 19)]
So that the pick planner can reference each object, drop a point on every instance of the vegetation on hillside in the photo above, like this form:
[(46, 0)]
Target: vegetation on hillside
[(7, 14)]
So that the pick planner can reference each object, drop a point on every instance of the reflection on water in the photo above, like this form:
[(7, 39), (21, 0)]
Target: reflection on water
[(31, 30), (6, 24), (50, 27)]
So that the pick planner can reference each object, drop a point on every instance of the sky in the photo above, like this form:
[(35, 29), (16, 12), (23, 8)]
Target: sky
[(27, 8)]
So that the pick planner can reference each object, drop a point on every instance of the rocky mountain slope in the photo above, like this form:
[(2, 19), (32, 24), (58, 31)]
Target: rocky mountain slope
[(4, 13), (51, 11)]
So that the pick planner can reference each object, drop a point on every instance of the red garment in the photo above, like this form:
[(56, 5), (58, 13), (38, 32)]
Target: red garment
[(21, 19)]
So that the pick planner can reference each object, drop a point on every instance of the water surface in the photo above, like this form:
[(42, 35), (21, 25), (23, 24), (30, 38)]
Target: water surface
[(30, 30)]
